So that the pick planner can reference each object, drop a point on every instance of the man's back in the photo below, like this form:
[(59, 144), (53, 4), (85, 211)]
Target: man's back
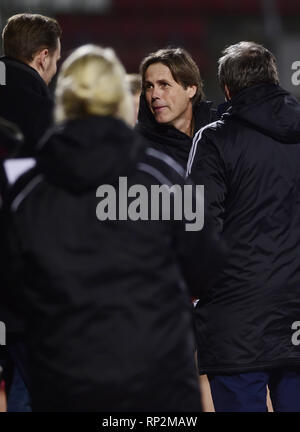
[(31, 46), (250, 165), (26, 101)]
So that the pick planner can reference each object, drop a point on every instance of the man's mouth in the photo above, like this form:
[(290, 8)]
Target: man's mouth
[(158, 109)]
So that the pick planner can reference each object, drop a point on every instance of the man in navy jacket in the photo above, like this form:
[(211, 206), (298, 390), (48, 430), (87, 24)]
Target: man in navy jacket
[(249, 163)]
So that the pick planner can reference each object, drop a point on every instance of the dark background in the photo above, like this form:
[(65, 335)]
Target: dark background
[(204, 27)]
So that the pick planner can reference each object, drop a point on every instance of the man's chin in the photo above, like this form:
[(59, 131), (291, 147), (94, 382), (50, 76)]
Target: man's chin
[(161, 119)]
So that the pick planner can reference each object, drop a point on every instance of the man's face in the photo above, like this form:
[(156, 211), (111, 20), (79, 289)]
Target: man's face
[(169, 102), (51, 64)]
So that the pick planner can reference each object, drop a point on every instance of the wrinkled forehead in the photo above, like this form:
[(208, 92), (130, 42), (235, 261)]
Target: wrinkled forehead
[(157, 72)]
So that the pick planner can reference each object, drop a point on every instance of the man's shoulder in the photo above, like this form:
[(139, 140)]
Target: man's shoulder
[(216, 136), (214, 130)]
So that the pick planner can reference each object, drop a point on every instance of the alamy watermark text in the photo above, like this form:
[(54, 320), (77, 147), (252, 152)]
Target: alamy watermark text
[(158, 202), (2, 73), (2, 333)]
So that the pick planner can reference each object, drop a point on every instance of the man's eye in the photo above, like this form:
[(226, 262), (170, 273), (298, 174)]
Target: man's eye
[(148, 86), (165, 85)]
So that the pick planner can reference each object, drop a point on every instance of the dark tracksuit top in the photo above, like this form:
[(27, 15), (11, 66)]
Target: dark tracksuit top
[(249, 163)]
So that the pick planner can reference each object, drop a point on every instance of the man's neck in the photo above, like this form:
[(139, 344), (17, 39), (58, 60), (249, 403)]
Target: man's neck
[(185, 124), (33, 66)]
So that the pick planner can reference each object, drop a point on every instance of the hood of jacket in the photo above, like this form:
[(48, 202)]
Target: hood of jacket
[(85, 153), (269, 109)]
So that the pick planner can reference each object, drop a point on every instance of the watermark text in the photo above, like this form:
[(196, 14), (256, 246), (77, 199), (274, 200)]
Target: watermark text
[(296, 335), (2, 333), (158, 202), (296, 74), (2, 74)]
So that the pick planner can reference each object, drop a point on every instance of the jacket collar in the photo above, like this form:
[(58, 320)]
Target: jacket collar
[(146, 121), (24, 67)]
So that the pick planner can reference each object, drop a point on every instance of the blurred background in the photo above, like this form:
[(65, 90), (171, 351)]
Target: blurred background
[(204, 27)]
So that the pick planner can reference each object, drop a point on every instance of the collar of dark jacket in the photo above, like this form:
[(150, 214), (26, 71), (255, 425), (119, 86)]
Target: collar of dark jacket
[(202, 113), (25, 68)]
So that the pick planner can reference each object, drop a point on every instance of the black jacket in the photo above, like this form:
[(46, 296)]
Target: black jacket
[(107, 310), (26, 101), (250, 165), (11, 140), (168, 139)]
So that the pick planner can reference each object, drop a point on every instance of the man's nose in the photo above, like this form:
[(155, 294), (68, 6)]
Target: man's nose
[(155, 93)]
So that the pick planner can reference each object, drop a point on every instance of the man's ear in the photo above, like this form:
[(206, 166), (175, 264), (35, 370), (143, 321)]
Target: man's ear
[(191, 91), (41, 59), (227, 93)]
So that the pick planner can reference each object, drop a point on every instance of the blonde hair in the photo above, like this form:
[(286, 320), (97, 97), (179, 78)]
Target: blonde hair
[(92, 82)]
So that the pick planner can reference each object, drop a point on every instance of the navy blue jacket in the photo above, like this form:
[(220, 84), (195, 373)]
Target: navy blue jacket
[(249, 163)]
